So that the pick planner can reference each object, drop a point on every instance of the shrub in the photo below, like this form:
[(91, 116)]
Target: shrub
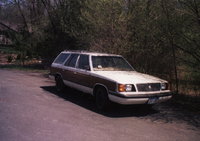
[(9, 59)]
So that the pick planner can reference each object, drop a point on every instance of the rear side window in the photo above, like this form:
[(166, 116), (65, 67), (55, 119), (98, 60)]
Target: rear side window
[(71, 62), (83, 62), (61, 58)]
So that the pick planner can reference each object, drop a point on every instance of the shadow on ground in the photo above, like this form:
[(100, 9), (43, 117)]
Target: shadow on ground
[(168, 112), (88, 102)]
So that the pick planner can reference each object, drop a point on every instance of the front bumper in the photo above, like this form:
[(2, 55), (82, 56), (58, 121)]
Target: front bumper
[(145, 98)]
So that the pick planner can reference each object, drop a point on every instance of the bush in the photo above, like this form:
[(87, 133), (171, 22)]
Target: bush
[(9, 59)]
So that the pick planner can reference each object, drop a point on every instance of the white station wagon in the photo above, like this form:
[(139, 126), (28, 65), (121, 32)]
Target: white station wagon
[(107, 77)]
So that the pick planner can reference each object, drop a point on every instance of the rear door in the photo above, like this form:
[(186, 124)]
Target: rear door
[(83, 71), (69, 70)]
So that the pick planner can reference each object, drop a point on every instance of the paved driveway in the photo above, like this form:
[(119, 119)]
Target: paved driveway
[(32, 110)]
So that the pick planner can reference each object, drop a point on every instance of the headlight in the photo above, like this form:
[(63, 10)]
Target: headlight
[(126, 88), (164, 86)]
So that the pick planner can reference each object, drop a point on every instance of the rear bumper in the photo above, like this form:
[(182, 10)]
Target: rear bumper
[(140, 98)]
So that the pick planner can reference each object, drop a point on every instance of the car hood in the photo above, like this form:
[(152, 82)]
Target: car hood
[(128, 77)]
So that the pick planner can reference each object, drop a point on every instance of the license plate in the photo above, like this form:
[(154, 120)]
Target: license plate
[(152, 100)]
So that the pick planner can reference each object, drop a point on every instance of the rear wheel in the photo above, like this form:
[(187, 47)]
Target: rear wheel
[(59, 84), (101, 97)]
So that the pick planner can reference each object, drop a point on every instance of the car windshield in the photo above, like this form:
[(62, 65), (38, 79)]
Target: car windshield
[(110, 63)]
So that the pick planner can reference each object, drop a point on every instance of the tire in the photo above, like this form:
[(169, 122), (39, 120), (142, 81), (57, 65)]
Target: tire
[(59, 84), (101, 97)]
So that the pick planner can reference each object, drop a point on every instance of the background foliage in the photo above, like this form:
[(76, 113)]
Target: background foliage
[(160, 37)]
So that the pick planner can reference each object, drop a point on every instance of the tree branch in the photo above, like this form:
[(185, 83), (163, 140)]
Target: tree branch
[(9, 28), (189, 52), (23, 16)]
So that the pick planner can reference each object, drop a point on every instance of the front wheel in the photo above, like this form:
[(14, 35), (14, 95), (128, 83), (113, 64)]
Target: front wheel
[(59, 84), (101, 97)]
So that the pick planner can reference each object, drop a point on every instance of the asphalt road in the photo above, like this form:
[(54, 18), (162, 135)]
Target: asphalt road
[(32, 110)]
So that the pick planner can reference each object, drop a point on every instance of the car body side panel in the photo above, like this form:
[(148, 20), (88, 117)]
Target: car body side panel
[(110, 85), (83, 78)]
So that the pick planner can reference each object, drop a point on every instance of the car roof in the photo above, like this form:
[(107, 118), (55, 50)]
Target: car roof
[(89, 53)]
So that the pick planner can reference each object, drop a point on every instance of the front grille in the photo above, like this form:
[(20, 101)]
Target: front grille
[(149, 87)]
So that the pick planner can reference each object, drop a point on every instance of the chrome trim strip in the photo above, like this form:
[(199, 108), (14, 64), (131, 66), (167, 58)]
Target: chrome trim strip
[(141, 95)]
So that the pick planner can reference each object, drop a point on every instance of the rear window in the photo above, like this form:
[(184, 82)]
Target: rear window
[(61, 58)]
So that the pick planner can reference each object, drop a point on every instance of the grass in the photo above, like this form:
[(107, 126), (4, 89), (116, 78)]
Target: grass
[(5, 51), (8, 50), (31, 68)]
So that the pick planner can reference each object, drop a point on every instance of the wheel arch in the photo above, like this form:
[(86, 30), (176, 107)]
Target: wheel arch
[(98, 85), (58, 74)]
